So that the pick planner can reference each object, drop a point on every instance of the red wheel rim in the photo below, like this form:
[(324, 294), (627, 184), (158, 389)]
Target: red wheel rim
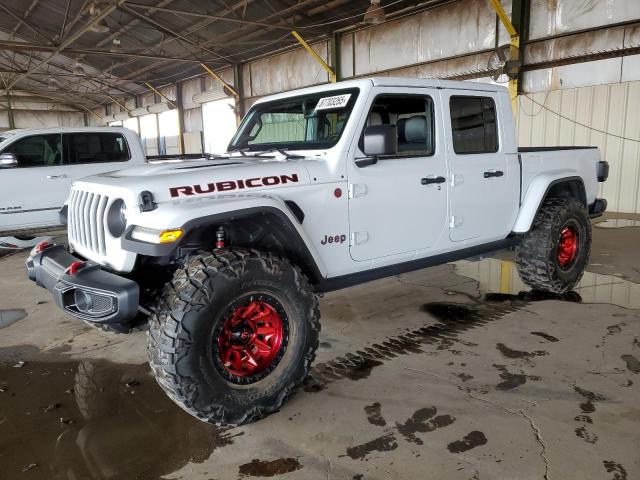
[(250, 339), (567, 246)]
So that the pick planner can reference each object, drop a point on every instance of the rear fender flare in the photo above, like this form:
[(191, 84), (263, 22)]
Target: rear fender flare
[(538, 190)]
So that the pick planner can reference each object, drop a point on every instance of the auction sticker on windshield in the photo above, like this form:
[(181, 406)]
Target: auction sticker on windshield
[(339, 101)]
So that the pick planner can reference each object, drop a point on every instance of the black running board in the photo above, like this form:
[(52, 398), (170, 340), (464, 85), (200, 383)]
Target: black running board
[(344, 281)]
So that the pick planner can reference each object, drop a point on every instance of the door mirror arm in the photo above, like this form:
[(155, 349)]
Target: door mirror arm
[(362, 162)]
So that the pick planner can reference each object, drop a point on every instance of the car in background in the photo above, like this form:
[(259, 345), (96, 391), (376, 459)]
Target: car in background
[(38, 166)]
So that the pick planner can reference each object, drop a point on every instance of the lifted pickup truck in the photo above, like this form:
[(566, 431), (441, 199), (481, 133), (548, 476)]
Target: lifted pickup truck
[(321, 188)]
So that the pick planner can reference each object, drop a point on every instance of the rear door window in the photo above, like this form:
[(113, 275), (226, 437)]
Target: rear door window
[(37, 151), (474, 125), (96, 147)]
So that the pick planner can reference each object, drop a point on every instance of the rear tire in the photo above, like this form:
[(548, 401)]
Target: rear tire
[(553, 255), (232, 334)]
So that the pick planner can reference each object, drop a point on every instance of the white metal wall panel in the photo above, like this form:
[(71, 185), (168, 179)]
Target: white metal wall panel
[(189, 89), (39, 119), (226, 75), (553, 17), (605, 108), (427, 36), (4, 120), (288, 71)]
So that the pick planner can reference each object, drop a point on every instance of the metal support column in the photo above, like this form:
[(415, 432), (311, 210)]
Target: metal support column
[(317, 58), (514, 51), (12, 123), (180, 109), (239, 84)]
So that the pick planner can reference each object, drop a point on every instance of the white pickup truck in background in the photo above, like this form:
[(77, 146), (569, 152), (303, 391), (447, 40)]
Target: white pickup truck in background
[(38, 166)]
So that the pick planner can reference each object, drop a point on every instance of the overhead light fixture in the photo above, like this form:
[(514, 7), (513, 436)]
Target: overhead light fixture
[(52, 84), (100, 28), (115, 45), (77, 68), (374, 14)]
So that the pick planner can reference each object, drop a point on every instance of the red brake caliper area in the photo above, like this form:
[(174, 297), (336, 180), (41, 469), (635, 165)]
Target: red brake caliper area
[(568, 246), (250, 339)]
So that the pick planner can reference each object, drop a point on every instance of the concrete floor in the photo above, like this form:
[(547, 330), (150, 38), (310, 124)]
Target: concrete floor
[(475, 378)]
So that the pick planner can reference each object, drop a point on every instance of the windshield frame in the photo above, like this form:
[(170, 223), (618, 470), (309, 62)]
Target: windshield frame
[(262, 107)]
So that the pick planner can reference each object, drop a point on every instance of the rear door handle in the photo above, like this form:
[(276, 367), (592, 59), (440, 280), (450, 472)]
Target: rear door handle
[(493, 173), (430, 180), (53, 177)]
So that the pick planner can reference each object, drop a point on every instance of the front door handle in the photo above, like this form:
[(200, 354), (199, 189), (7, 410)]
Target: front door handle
[(493, 173), (53, 177), (430, 180)]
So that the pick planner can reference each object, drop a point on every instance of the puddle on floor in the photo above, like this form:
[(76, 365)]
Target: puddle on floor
[(500, 277), (617, 223), (95, 420), (7, 317)]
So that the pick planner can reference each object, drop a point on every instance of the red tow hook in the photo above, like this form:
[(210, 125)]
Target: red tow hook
[(41, 246), (73, 268)]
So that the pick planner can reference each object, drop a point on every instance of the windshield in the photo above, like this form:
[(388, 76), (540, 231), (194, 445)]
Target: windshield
[(305, 122)]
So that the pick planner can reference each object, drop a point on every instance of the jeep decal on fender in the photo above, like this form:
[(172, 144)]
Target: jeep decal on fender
[(230, 185)]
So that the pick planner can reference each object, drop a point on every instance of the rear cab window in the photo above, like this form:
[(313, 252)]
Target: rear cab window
[(95, 147), (413, 116), (37, 151), (474, 126)]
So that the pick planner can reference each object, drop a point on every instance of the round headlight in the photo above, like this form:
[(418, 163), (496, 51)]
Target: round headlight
[(123, 213), (117, 218)]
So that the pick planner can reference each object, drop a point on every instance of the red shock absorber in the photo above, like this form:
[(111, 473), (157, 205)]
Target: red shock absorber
[(220, 238)]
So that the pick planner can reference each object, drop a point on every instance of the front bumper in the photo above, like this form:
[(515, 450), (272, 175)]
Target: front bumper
[(89, 292)]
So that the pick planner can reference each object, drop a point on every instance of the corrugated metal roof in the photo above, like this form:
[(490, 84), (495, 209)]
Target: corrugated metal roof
[(159, 41)]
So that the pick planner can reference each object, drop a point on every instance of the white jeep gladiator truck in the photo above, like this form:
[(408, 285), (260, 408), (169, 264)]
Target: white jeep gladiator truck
[(38, 166), (321, 188)]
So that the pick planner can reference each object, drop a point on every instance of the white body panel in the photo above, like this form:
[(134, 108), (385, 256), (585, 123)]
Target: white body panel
[(30, 198), (394, 218)]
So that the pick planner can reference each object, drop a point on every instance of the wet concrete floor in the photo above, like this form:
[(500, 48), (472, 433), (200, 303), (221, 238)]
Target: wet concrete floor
[(455, 372)]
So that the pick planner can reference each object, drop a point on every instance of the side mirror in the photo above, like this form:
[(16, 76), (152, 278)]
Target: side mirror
[(379, 140), (8, 160)]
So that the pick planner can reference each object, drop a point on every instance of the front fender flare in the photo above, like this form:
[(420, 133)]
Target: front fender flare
[(189, 215)]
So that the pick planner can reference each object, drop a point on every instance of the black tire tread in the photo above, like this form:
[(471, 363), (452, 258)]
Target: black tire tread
[(532, 255), (187, 290)]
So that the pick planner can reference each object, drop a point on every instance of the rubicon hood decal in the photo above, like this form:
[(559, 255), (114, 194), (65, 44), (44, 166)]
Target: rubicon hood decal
[(229, 185)]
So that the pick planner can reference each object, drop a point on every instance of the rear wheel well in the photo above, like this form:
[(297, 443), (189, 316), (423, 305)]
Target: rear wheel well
[(266, 231), (567, 188)]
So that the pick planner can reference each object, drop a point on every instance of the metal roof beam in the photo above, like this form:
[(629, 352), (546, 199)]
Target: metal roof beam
[(32, 47), (215, 17), (98, 18)]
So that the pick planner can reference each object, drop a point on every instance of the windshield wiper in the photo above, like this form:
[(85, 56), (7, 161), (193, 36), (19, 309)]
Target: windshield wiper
[(289, 155), (281, 151), (240, 150), (215, 156)]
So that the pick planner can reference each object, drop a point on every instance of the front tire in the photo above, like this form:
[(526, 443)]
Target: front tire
[(554, 254), (232, 334)]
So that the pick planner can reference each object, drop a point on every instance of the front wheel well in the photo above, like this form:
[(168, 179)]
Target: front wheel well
[(266, 230)]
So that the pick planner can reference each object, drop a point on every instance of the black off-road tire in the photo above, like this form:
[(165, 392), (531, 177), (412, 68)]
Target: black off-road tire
[(537, 254), (189, 313)]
